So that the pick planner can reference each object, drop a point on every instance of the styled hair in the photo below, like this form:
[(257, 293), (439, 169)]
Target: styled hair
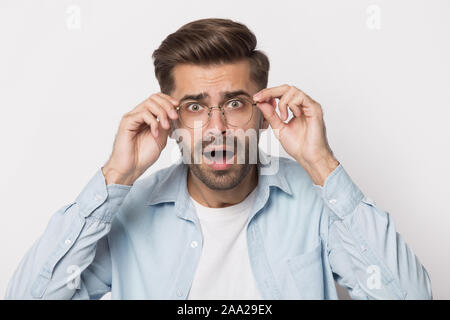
[(208, 42)]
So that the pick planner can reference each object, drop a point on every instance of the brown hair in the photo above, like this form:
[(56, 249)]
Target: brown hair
[(208, 42)]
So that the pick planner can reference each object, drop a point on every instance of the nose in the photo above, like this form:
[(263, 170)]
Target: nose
[(217, 122)]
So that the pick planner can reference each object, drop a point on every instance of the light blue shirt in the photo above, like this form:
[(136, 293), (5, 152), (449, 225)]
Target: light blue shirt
[(144, 242)]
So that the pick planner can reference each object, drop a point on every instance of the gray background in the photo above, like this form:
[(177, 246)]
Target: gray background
[(380, 69)]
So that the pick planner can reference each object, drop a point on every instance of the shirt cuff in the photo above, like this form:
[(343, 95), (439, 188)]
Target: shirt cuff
[(339, 193), (99, 200)]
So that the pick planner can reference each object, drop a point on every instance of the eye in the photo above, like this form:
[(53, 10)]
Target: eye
[(194, 107), (234, 104)]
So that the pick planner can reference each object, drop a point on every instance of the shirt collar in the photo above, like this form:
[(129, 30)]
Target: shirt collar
[(173, 187)]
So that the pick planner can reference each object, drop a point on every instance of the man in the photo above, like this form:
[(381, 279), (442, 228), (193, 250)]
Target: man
[(224, 223)]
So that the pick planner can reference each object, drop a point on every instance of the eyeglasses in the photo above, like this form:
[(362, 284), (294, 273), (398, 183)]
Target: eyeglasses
[(237, 112)]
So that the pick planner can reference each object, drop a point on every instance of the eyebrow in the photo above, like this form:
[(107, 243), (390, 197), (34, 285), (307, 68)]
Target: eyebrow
[(226, 95)]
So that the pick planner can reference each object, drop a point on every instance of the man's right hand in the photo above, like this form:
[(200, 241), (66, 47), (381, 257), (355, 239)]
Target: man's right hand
[(140, 139)]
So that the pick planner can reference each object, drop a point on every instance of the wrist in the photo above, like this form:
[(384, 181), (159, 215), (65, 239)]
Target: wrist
[(113, 176), (320, 169)]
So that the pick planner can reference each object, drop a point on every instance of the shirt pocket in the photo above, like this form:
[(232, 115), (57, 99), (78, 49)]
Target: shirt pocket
[(307, 271)]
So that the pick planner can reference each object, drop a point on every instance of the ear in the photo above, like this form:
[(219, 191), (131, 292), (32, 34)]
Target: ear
[(265, 123)]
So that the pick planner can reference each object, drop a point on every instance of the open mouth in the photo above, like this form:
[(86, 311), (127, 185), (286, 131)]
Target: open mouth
[(219, 156)]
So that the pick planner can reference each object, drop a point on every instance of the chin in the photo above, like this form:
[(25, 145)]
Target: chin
[(220, 179)]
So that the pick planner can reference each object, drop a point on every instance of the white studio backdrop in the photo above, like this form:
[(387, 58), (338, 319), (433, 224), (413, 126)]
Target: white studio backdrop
[(380, 69)]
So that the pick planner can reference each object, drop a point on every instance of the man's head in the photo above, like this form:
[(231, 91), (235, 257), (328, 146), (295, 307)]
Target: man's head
[(215, 58)]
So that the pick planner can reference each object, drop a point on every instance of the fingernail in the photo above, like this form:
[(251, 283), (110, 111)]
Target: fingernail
[(173, 113)]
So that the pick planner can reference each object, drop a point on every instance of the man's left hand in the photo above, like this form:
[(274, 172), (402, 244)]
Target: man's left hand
[(304, 135)]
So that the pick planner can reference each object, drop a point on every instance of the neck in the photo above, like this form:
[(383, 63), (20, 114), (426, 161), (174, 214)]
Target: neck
[(221, 198)]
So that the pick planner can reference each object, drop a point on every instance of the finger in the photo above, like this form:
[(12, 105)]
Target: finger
[(138, 108), (295, 107), (270, 114), (296, 110), (151, 121), (134, 120), (268, 93), (170, 98), (167, 104), (283, 103), (159, 112), (308, 105)]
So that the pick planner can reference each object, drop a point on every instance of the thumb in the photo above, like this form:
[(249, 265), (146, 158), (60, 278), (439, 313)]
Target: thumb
[(270, 114)]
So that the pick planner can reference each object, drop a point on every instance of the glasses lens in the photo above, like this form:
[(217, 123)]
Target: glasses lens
[(238, 111), (193, 114)]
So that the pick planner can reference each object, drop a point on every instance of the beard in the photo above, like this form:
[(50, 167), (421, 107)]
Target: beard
[(222, 179)]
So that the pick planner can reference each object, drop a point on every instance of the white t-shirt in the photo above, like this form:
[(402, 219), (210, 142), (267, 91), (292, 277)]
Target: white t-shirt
[(224, 270)]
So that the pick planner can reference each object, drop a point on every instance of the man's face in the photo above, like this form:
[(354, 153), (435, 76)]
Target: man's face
[(218, 170)]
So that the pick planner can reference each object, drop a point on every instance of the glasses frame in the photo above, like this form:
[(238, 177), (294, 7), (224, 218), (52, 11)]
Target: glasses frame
[(219, 107)]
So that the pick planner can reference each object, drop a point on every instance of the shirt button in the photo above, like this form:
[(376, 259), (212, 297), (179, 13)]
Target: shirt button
[(179, 293), (332, 201), (68, 241), (363, 248), (194, 244)]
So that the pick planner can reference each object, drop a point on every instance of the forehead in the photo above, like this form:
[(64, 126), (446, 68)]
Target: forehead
[(214, 79)]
